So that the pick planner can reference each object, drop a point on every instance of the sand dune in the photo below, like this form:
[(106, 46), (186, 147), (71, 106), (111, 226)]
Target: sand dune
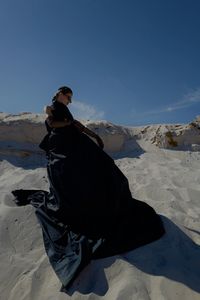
[(164, 175)]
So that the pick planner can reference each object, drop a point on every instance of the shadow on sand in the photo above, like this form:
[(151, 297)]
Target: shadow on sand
[(174, 256), (28, 162), (131, 149)]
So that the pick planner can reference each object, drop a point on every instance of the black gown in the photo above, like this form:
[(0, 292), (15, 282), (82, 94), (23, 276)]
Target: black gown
[(89, 211)]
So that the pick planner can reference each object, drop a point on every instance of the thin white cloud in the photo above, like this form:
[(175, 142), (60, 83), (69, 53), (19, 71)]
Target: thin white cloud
[(86, 111), (188, 100)]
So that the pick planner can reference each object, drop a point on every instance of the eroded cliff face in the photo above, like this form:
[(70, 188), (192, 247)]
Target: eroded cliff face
[(173, 136), (20, 135)]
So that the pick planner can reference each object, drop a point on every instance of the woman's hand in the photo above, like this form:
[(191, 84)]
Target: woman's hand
[(99, 141)]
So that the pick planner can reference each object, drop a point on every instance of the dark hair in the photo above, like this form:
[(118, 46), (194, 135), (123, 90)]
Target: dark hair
[(63, 89)]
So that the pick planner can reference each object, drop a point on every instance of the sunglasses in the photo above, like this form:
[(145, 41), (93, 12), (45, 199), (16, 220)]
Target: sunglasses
[(69, 97)]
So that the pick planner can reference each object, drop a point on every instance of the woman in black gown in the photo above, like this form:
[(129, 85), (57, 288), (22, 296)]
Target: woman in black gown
[(89, 211)]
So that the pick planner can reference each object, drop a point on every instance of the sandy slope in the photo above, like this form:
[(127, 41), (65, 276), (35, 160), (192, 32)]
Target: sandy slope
[(168, 180)]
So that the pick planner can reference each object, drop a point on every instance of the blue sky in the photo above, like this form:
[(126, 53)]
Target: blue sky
[(131, 62)]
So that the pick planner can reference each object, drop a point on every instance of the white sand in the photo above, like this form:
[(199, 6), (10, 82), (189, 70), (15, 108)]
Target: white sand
[(166, 178)]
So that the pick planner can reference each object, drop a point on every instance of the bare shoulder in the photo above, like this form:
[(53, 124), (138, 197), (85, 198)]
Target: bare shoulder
[(48, 109)]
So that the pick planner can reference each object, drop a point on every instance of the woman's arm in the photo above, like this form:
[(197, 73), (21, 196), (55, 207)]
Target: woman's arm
[(91, 133), (57, 124), (84, 129), (79, 126)]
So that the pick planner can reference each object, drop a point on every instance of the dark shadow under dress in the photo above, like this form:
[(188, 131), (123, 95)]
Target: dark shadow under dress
[(89, 212)]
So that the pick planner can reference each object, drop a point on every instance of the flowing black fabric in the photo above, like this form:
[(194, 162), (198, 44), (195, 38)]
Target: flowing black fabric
[(89, 211)]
